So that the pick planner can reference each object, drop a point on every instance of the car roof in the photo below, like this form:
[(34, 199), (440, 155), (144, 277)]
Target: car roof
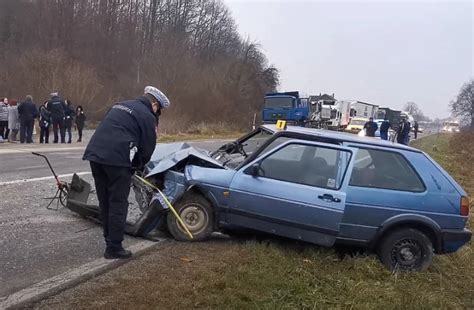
[(341, 136)]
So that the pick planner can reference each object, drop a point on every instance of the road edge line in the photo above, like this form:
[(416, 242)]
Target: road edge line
[(71, 278)]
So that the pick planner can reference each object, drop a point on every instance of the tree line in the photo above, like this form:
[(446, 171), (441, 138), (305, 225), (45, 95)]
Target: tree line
[(96, 52)]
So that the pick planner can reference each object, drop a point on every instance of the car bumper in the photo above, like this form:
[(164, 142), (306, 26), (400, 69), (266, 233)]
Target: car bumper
[(454, 239), (353, 130)]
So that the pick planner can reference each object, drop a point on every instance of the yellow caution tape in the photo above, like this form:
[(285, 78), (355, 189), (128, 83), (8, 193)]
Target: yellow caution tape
[(169, 205)]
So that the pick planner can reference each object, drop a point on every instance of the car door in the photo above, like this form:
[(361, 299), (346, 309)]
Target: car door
[(296, 190)]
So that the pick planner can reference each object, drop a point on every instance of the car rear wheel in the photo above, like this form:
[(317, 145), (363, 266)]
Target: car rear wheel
[(406, 249), (196, 212)]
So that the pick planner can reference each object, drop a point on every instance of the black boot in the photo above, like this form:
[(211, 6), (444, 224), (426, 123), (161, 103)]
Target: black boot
[(112, 253)]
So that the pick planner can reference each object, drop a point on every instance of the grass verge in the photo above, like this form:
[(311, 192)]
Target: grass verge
[(167, 138), (281, 274)]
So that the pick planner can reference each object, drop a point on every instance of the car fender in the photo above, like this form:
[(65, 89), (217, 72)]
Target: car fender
[(413, 220), (216, 177)]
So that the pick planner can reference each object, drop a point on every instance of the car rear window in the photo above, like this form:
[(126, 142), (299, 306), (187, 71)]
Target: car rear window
[(385, 169)]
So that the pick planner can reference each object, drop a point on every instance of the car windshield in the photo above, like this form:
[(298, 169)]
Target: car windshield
[(255, 141), (233, 154), (278, 102)]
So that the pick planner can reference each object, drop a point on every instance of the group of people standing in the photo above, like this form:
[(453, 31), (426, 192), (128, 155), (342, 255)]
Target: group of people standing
[(403, 130), (54, 112)]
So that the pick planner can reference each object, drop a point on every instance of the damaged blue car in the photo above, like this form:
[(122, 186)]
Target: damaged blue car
[(312, 185)]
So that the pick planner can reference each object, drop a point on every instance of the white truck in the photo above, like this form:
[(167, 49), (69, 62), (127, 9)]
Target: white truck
[(330, 114), (364, 109)]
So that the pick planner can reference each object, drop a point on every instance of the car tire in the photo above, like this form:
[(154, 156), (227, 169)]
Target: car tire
[(406, 249), (197, 213)]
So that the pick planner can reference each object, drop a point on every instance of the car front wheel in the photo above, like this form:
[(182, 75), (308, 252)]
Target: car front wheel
[(406, 249), (196, 213)]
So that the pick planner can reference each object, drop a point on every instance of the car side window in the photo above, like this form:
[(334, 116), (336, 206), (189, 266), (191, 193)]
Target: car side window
[(384, 169), (307, 164)]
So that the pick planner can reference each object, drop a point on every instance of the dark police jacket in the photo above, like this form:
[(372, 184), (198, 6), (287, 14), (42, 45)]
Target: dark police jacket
[(127, 124), (27, 110), (57, 107)]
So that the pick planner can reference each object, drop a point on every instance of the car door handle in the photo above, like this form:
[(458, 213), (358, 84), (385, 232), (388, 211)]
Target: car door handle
[(329, 198)]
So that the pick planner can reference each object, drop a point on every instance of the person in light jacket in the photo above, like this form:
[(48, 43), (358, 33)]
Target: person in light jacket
[(13, 121), (4, 119)]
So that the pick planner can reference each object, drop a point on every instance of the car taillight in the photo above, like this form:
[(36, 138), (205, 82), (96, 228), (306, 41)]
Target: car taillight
[(464, 206)]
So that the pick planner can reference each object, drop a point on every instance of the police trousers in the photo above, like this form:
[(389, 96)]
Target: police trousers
[(112, 185), (58, 124)]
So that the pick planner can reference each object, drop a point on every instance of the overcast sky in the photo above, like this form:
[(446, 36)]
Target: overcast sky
[(386, 53)]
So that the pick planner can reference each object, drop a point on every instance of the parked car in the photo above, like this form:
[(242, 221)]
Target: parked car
[(450, 126), (317, 186), (356, 124)]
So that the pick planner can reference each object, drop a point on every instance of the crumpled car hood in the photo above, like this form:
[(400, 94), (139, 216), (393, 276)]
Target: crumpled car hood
[(166, 156)]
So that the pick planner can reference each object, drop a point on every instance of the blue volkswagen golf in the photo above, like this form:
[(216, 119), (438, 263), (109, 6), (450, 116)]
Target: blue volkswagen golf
[(317, 186)]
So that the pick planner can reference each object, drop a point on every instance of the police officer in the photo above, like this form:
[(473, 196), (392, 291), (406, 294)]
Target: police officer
[(403, 132), (124, 140), (57, 108)]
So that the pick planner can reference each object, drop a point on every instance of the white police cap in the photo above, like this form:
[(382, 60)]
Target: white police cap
[(155, 92)]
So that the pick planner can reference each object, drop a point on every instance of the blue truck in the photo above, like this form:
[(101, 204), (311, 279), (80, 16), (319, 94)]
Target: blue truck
[(286, 106)]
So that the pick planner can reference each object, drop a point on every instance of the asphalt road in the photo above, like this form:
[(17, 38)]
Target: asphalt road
[(37, 243)]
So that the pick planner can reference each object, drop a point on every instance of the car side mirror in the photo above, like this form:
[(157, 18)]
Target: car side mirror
[(254, 169)]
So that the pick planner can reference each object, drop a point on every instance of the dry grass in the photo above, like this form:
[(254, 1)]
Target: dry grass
[(173, 131), (281, 274)]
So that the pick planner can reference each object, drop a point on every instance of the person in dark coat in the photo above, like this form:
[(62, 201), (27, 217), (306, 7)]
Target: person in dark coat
[(384, 127), (415, 129), (68, 119), (27, 112), (80, 121), (57, 107), (370, 127), (403, 132), (124, 140), (44, 122)]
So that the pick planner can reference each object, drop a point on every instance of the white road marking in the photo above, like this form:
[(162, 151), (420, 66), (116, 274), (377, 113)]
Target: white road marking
[(43, 178), (38, 149), (30, 167)]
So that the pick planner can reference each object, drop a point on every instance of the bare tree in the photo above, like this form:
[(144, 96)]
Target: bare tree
[(95, 50), (463, 106)]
